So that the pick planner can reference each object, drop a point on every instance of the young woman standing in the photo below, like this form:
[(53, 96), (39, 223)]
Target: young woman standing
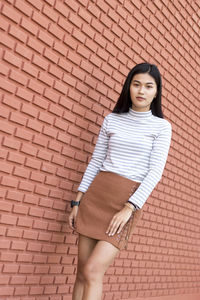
[(126, 165)]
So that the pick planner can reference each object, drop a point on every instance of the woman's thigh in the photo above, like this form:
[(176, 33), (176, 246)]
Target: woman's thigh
[(100, 259), (85, 248)]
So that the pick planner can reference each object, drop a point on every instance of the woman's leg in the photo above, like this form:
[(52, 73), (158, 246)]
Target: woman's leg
[(97, 264), (85, 247)]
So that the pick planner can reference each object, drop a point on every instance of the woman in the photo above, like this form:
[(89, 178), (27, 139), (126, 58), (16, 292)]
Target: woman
[(126, 165)]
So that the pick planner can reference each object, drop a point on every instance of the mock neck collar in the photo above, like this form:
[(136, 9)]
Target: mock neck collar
[(140, 114)]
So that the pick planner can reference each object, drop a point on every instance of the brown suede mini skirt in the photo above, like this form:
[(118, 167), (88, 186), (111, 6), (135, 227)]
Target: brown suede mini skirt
[(105, 197)]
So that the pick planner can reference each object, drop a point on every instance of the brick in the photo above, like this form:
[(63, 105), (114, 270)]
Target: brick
[(67, 151), (55, 109), (45, 78), (6, 40), (7, 86), (55, 71), (5, 206), (55, 146), (24, 94), (42, 103), (65, 65), (49, 168), (23, 134), (20, 209), (4, 24), (36, 3), (33, 163), (69, 80), (30, 150), (72, 4), (35, 45), (6, 167), (61, 8), (31, 235), (51, 95), (18, 33), (65, 102), (6, 127), (11, 13), (50, 181), (25, 222), (13, 195), (12, 59), (14, 157), (55, 194), (45, 203), (45, 38), (31, 199), (42, 141), (53, 29), (52, 216), (40, 20), (60, 87), (40, 224), (60, 124), (34, 125), (18, 77), (36, 212), (35, 176), (23, 7), (7, 291), (29, 110), (49, 131), (11, 143), (60, 48), (30, 27), (41, 190), (44, 155), (17, 118), (33, 85), (4, 70), (21, 172), (3, 153), (8, 219), (50, 55), (50, 13), (28, 68), (26, 186), (58, 160), (40, 62)]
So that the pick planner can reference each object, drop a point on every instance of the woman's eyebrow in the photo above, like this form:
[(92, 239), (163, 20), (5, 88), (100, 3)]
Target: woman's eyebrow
[(146, 82)]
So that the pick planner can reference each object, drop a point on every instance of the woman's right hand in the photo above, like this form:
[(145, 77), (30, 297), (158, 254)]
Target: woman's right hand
[(73, 214), (72, 217)]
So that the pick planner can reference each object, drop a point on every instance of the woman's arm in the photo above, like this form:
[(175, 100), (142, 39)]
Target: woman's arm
[(97, 158), (157, 163)]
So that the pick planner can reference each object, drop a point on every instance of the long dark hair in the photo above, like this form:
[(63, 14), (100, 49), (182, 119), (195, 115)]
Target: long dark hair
[(124, 100)]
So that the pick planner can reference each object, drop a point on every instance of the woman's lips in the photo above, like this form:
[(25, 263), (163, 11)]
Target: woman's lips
[(140, 98)]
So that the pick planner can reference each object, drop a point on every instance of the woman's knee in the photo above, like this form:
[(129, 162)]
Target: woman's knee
[(92, 272)]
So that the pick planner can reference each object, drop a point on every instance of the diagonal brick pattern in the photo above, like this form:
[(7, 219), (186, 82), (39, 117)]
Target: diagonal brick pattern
[(63, 64)]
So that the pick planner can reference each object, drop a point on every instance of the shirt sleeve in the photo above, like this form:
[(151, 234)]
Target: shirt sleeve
[(98, 156), (157, 163)]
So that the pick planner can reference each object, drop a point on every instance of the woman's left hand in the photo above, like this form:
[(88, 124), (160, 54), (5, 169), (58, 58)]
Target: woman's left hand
[(119, 220)]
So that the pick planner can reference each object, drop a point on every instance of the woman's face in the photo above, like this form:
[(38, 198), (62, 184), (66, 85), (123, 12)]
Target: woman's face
[(142, 85)]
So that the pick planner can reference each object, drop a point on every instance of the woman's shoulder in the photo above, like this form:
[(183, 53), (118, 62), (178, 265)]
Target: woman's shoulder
[(162, 122)]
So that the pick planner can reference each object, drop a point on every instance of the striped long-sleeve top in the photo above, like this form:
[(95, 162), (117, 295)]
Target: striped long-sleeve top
[(134, 145)]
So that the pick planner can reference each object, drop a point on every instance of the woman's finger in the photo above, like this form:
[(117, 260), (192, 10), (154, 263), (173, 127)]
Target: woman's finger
[(110, 225), (121, 227), (115, 227)]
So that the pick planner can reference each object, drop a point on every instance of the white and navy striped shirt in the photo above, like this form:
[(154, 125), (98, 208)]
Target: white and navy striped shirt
[(134, 145)]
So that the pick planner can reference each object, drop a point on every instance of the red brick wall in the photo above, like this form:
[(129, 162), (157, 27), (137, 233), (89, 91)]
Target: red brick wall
[(63, 64)]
